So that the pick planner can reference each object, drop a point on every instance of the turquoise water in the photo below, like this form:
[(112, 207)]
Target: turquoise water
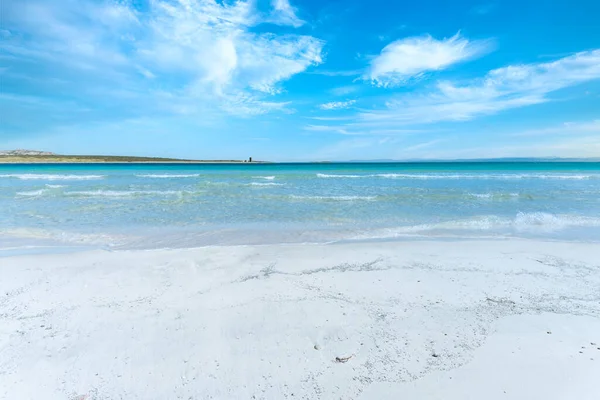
[(147, 206)]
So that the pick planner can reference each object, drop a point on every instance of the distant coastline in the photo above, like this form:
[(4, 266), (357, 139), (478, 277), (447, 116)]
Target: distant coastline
[(7, 160), (40, 157), (87, 159)]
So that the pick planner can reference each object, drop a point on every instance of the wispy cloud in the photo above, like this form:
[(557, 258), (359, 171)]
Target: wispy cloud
[(214, 44), (579, 139), (567, 128), (204, 53), (351, 130), (423, 145), (382, 147), (349, 72), (501, 89), (325, 128), (410, 58), (344, 90), (583, 146), (337, 105), (284, 14)]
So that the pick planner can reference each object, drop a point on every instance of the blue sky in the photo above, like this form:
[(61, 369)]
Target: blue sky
[(301, 80)]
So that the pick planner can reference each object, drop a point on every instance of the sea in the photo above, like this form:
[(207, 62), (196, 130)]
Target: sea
[(147, 206)]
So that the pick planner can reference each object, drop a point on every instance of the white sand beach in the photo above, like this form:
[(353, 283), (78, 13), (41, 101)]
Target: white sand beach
[(502, 319)]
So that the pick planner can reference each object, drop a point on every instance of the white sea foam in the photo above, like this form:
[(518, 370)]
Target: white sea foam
[(168, 176), (552, 222), (334, 198), (493, 195), (265, 184), (269, 178), (216, 183), (341, 176), (67, 237), (55, 186), (53, 177), (523, 222), (466, 176), (124, 193), (32, 193)]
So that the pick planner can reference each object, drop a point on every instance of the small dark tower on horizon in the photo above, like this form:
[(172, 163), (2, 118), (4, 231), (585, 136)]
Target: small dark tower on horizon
[(250, 159)]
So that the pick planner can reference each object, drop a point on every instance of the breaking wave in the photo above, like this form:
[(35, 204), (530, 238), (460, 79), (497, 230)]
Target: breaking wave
[(466, 176), (533, 222), (334, 198), (168, 176), (53, 177), (124, 193)]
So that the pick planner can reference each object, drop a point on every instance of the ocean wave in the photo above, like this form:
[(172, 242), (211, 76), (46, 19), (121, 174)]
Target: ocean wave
[(547, 221), (55, 186), (493, 195), (532, 222), (32, 193), (103, 239), (168, 176), (269, 178), (265, 184), (466, 176), (124, 193), (53, 177), (210, 183), (342, 176), (334, 198)]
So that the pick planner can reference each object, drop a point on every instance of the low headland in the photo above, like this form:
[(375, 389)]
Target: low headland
[(42, 157)]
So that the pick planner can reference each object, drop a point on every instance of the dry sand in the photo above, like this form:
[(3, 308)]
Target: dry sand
[(516, 319)]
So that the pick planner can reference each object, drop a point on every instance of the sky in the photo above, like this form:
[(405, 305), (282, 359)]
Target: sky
[(301, 80)]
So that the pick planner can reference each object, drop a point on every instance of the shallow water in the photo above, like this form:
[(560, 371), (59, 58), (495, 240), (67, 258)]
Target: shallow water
[(148, 206)]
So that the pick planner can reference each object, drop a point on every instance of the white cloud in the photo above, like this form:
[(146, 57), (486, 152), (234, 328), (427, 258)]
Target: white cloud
[(324, 128), (214, 42), (348, 130), (567, 128), (423, 145), (83, 34), (344, 90), (204, 53), (386, 147), (579, 147), (325, 72), (242, 103), (501, 89), (412, 57), (268, 60), (284, 14), (575, 139), (337, 105)]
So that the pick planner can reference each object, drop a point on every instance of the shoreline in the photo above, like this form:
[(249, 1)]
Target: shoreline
[(414, 319), (49, 242)]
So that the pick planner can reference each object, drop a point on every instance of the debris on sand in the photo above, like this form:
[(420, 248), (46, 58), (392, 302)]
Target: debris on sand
[(343, 359)]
